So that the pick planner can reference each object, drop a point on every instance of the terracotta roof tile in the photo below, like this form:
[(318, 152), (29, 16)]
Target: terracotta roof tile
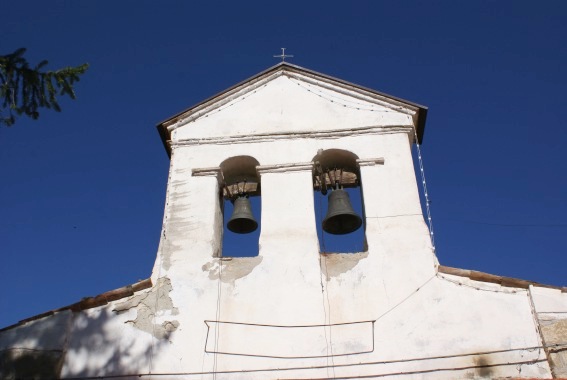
[(495, 279)]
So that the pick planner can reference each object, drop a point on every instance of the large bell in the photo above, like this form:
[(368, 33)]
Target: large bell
[(341, 218), (242, 221)]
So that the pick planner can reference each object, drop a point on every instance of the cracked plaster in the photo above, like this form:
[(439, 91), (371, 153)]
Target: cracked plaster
[(147, 305)]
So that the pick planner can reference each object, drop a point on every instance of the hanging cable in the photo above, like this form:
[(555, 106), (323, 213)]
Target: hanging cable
[(425, 192), (330, 326), (343, 101), (514, 225), (207, 113), (217, 315), (324, 311), (496, 290), (322, 234)]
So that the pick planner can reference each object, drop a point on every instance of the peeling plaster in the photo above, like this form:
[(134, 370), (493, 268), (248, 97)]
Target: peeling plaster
[(232, 269), (174, 227), (335, 264), (144, 322), (147, 305)]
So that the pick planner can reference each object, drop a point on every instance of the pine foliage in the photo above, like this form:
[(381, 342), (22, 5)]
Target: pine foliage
[(24, 90)]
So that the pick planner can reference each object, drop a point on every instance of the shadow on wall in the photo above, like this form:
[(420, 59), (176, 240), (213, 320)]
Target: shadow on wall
[(36, 350), (30, 364), (483, 369)]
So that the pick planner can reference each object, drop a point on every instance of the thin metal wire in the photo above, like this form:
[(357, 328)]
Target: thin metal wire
[(330, 326), (217, 314), (425, 192), (342, 101), (556, 346), (324, 311), (229, 104), (496, 290), (519, 225), (319, 196), (327, 315)]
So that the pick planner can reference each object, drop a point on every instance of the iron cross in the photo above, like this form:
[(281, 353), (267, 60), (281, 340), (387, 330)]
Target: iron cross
[(283, 56)]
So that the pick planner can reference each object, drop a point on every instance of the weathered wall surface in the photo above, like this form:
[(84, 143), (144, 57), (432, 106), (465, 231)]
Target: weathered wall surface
[(292, 312), (551, 308)]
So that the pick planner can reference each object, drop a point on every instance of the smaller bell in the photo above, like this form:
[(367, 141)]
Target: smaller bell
[(341, 218), (242, 221)]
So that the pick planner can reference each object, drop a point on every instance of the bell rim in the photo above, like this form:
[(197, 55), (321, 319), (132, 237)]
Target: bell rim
[(328, 222)]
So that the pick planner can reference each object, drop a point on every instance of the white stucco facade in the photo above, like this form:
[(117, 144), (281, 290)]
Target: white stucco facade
[(292, 312)]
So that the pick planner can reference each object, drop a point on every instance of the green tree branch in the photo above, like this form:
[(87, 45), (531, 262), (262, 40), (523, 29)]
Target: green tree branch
[(23, 90)]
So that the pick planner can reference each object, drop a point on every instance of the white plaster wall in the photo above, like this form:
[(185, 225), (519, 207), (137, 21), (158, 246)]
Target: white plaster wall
[(416, 314), (42, 334), (101, 342), (34, 349), (549, 300), (274, 107), (413, 314), (291, 312)]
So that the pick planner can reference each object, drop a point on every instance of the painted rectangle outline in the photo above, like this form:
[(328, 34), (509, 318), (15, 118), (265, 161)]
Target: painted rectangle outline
[(210, 323)]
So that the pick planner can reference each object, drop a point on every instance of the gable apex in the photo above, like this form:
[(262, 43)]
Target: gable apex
[(166, 127)]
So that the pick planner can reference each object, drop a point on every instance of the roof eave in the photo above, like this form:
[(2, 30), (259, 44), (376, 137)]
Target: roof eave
[(496, 279), (90, 302), (166, 135)]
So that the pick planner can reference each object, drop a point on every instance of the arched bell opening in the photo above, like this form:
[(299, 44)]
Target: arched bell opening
[(240, 201), (339, 208)]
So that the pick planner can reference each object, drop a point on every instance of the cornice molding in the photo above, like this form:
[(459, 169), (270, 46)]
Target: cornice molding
[(370, 161), (283, 168), (280, 168), (207, 172), (266, 137)]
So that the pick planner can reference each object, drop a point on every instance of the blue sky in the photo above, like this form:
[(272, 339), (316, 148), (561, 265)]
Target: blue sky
[(82, 191)]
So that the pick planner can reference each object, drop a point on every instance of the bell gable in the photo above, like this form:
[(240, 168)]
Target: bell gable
[(287, 99)]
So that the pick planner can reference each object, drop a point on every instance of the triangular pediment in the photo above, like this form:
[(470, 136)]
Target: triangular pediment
[(288, 99)]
